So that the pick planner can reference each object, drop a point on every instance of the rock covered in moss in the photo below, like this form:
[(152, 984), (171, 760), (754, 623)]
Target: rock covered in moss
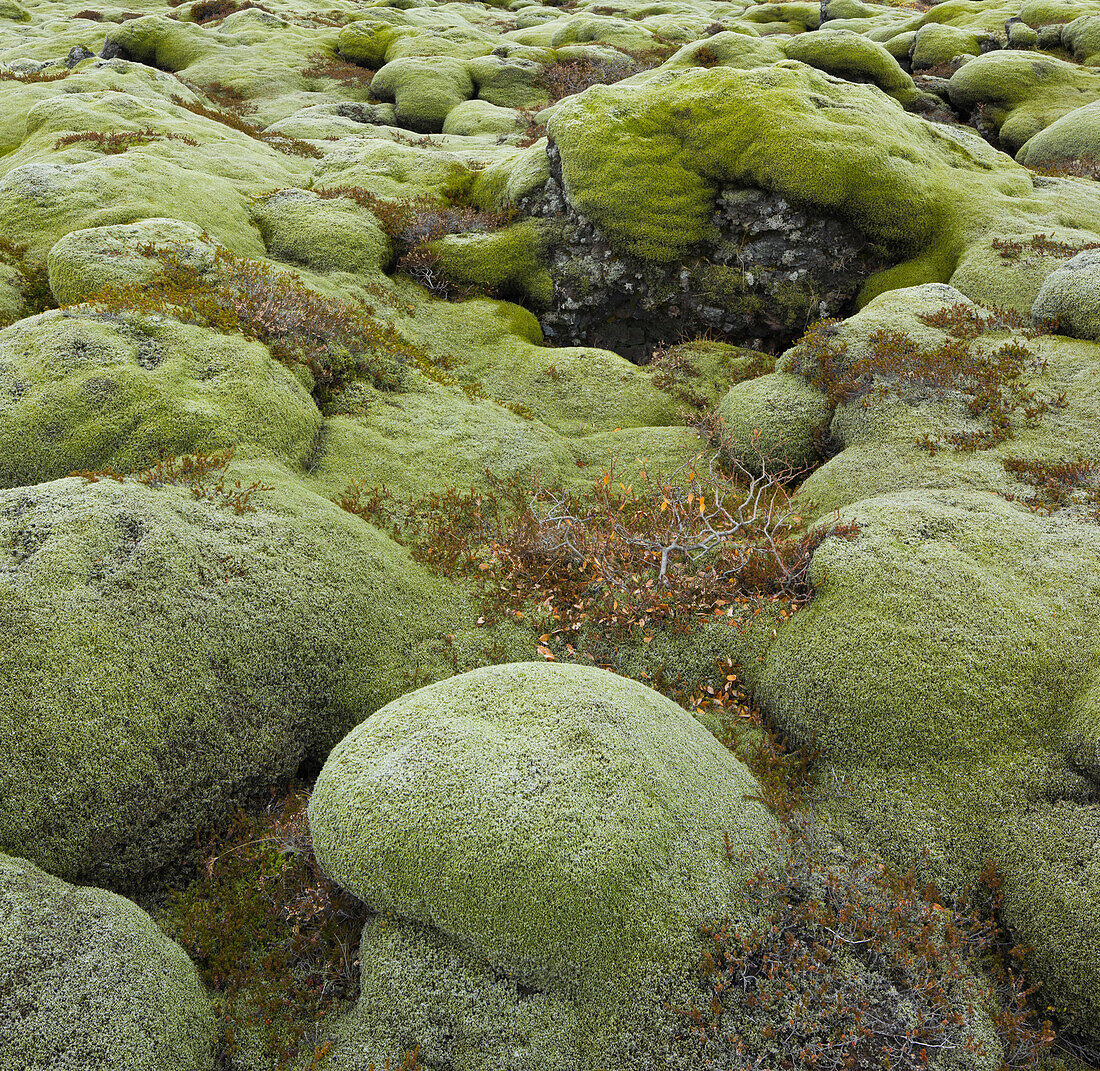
[(87, 980), (126, 254), (1070, 297), (557, 818), (565, 825), (170, 657)]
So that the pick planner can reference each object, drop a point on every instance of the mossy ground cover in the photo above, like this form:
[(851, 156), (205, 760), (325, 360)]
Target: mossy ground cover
[(269, 289)]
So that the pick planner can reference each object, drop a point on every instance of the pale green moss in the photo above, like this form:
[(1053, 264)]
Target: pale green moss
[(91, 392), (87, 980), (423, 90), (1022, 94), (775, 421), (127, 254), (1074, 135), (171, 658), (935, 670), (534, 779), (934, 44), (574, 390), (325, 234)]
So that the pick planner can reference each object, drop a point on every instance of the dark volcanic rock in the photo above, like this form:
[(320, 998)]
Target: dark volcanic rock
[(771, 268)]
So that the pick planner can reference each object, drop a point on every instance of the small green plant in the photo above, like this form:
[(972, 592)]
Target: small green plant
[(205, 11), (118, 141), (191, 469), (335, 340)]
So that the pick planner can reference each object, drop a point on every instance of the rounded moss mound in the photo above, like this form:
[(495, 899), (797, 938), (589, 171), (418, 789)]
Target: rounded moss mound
[(86, 392), (125, 254), (559, 821), (774, 421), (937, 671), (87, 980), (1070, 297), (167, 658)]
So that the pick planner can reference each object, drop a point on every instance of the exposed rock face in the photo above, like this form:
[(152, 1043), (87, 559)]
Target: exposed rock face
[(769, 268)]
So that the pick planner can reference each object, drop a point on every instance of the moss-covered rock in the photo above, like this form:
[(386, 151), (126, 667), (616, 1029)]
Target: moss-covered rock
[(568, 828), (935, 670), (87, 980), (125, 254), (1074, 135), (1070, 297), (423, 91), (168, 657), (88, 392), (1022, 94), (325, 234), (775, 421), (850, 55), (510, 262), (935, 43)]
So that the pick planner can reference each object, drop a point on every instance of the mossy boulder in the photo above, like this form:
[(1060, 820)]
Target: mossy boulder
[(1022, 94), (322, 233), (935, 43), (567, 826), (125, 254), (423, 91), (510, 262), (87, 980), (1074, 135), (88, 392), (644, 161), (168, 658), (851, 55), (1070, 297), (936, 669), (776, 422)]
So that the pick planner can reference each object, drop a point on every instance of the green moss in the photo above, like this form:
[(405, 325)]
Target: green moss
[(775, 420), (847, 54), (1022, 94), (423, 91), (89, 393), (89, 981), (510, 262), (935, 669), (500, 871), (171, 659), (644, 160)]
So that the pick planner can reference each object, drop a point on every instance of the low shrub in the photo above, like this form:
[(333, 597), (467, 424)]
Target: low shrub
[(118, 141), (335, 340), (994, 382), (190, 469), (853, 966)]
